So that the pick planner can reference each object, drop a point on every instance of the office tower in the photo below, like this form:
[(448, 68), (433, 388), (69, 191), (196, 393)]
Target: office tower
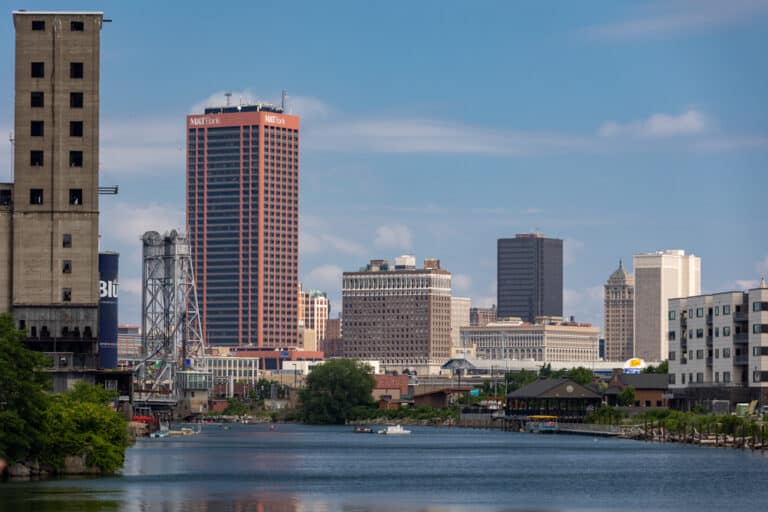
[(313, 309), (619, 301), (400, 316), (478, 317), (243, 222), (51, 211), (660, 276), (529, 277), (459, 318)]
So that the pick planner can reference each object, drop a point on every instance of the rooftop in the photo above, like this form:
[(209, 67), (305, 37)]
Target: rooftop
[(233, 109)]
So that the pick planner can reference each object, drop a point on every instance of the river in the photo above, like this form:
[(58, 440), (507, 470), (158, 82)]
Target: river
[(304, 469)]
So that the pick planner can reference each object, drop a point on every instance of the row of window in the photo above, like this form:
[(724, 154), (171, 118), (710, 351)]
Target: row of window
[(37, 157), (37, 128), (75, 197), (76, 70), (37, 99), (74, 26)]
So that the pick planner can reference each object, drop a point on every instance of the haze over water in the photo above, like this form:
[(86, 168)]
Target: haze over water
[(303, 468)]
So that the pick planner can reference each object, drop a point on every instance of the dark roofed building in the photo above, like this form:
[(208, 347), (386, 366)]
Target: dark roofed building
[(563, 398), (650, 389)]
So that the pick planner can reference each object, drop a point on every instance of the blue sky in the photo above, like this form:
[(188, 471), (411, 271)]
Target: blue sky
[(436, 127)]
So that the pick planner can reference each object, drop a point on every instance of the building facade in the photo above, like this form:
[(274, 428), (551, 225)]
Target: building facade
[(517, 340), (243, 221), (459, 318), (398, 315), (660, 276), (718, 345), (478, 317), (49, 229), (619, 314), (313, 309), (529, 276), (129, 344)]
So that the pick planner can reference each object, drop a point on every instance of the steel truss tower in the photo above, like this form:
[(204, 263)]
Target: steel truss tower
[(172, 334)]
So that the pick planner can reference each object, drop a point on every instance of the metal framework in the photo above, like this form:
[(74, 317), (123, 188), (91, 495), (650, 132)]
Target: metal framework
[(172, 336)]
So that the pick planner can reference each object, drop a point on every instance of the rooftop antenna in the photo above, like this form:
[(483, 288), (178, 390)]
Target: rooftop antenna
[(285, 99), (229, 96)]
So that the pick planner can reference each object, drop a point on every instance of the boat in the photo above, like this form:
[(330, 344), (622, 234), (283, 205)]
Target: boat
[(541, 424), (396, 430), (272, 428), (159, 434), (363, 430)]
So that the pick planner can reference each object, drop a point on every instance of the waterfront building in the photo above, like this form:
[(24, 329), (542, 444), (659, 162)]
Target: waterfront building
[(717, 347), (513, 339), (243, 221), (49, 215), (529, 276), (479, 317), (619, 304), (399, 315), (459, 318), (660, 276)]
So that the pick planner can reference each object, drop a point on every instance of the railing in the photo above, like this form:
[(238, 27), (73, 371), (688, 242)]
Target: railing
[(71, 361), (741, 338), (741, 359), (740, 317)]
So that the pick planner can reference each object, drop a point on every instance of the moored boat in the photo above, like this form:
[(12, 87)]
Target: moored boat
[(363, 430), (395, 430)]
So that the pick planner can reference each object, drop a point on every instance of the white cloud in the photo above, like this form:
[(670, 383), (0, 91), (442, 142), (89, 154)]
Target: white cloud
[(746, 284), (531, 211), (127, 222), (313, 243), (675, 17), (324, 277), (485, 301), (393, 236), (157, 146), (690, 122), (131, 285), (461, 282), (306, 107)]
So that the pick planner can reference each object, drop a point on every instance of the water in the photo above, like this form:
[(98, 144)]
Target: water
[(303, 469)]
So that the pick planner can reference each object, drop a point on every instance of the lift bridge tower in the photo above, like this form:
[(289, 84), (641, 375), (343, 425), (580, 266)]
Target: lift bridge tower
[(174, 371)]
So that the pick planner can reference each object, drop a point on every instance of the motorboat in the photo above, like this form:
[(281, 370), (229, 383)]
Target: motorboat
[(396, 430), (363, 430)]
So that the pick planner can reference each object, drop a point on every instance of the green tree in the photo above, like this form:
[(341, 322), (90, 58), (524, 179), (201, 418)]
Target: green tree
[(333, 389), (581, 375), (627, 396), (22, 393), (236, 407), (86, 393), (662, 368)]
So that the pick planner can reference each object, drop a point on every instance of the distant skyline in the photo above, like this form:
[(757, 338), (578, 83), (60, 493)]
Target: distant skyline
[(435, 128)]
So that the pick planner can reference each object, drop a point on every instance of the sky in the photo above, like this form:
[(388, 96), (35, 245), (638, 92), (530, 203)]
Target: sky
[(436, 127)]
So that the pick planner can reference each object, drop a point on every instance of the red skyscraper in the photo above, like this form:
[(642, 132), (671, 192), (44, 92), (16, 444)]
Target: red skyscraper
[(243, 223)]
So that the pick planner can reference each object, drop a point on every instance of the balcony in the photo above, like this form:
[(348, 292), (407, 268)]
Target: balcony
[(709, 320), (741, 339), (64, 361), (740, 316), (709, 341), (741, 360), (709, 361)]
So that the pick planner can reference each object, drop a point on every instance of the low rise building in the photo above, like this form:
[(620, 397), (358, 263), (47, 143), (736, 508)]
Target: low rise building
[(513, 339)]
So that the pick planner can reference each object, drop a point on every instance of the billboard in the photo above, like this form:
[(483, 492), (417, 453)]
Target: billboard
[(108, 291)]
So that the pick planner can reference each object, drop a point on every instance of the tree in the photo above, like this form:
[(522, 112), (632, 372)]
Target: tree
[(333, 389), (581, 375), (627, 396), (662, 368), (22, 393)]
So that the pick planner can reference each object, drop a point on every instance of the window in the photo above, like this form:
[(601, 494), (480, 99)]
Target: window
[(76, 196), (699, 377), (717, 376), (66, 295), (36, 128), (38, 70), (66, 267), (672, 315), (75, 158), (690, 313), (36, 158), (755, 351), (717, 332), (726, 353), (726, 331), (66, 240), (760, 328), (77, 26), (671, 336), (75, 128), (699, 354), (760, 306), (717, 310), (5, 197), (726, 311), (36, 99), (75, 100), (36, 196), (75, 70), (726, 376), (682, 378), (38, 25), (699, 312), (699, 333), (671, 356), (671, 378)]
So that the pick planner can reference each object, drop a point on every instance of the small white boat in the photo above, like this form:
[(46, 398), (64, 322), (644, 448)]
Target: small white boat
[(159, 434), (397, 430)]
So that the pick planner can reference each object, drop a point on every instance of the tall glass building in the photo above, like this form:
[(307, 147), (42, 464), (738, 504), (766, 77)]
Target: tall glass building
[(243, 223)]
